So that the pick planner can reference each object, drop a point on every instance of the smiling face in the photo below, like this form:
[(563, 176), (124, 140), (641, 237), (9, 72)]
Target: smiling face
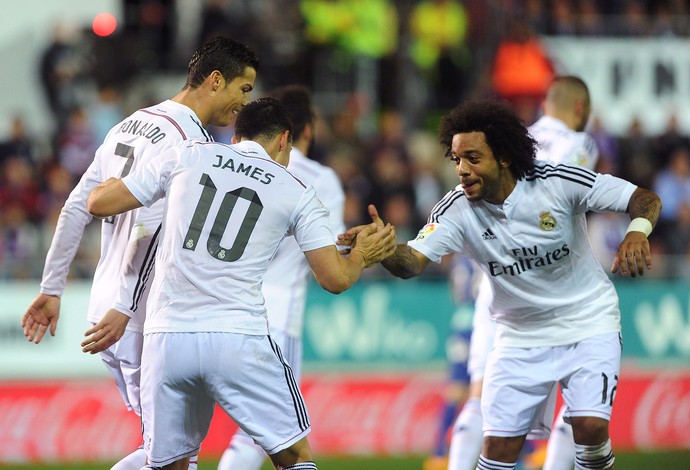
[(231, 97), (481, 175)]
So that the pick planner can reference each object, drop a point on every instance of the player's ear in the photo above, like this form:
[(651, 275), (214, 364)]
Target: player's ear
[(504, 162)]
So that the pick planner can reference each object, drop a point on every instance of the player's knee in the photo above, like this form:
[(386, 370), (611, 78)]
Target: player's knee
[(297, 452), (598, 457), (590, 430)]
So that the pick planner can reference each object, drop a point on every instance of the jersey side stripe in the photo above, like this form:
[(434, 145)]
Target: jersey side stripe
[(145, 269), (557, 175), (442, 206), (298, 402), (172, 121)]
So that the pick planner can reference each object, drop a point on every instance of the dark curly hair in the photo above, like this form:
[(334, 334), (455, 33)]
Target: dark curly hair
[(504, 131), (226, 55)]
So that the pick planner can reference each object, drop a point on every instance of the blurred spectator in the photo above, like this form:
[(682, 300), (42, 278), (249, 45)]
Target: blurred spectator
[(537, 16), (637, 163), (226, 18), (19, 235), (429, 185), (564, 21), (279, 42), (390, 170), (609, 159), (522, 71), (438, 29), (668, 141), (672, 184), (18, 188), (634, 20), (104, 111), (61, 66), (76, 144), (18, 143), (58, 183), (590, 20)]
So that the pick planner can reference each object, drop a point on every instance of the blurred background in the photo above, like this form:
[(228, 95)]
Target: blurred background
[(382, 73)]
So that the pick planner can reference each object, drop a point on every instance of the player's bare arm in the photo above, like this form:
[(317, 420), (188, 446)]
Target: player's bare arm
[(106, 332), (41, 316), (110, 198), (405, 262), (633, 253), (336, 273)]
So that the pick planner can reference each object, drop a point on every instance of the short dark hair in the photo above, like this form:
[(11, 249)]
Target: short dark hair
[(263, 119), (504, 131), (297, 100), (221, 53)]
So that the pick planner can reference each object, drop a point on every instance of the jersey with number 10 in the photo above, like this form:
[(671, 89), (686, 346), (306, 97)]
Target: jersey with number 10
[(121, 277), (227, 208)]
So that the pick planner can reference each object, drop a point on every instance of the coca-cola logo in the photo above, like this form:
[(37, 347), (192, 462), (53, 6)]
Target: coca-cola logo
[(662, 417), (66, 421), (397, 414)]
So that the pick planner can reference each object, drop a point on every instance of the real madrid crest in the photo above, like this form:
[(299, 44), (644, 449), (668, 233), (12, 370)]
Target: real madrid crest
[(546, 221)]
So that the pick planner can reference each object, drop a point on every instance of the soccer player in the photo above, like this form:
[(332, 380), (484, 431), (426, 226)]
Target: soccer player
[(560, 139), (556, 310), (220, 78), (284, 284), (206, 341)]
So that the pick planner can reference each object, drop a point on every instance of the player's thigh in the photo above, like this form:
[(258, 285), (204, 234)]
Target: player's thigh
[(176, 410), (593, 367), (518, 393), (123, 361), (251, 381)]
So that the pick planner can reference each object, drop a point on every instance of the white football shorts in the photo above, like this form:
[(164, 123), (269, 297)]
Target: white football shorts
[(519, 391), (123, 361), (185, 374)]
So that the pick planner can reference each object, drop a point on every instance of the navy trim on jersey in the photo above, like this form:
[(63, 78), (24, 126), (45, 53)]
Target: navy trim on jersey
[(209, 137), (575, 174), (172, 121), (442, 206), (145, 270), (297, 401)]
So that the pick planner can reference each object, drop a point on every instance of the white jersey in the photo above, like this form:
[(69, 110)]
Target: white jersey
[(121, 276), (285, 281), (227, 208), (560, 144), (548, 288)]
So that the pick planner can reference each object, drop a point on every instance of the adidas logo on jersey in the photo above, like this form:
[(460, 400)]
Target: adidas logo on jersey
[(488, 235)]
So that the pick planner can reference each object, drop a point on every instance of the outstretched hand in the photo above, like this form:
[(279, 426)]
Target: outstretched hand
[(348, 238), (374, 243), (633, 255), (41, 316), (106, 332)]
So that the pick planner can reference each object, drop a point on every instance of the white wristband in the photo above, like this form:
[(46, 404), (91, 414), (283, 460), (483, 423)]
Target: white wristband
[(640, 224)]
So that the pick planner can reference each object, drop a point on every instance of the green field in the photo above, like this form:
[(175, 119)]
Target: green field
[(624, 461)]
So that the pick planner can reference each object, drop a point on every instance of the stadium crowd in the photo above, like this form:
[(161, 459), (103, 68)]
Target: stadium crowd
[(379, 95)]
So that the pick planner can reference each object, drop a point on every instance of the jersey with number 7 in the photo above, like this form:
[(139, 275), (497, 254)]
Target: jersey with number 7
[(123, 271)]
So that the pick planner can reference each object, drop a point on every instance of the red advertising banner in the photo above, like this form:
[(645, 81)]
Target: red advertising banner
[(350, 414)]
